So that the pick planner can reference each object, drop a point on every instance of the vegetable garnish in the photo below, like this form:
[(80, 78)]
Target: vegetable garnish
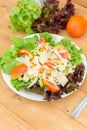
[(29, 17), (52, 18), (23, 52), (40, 65), (23, 16), (75, 54)]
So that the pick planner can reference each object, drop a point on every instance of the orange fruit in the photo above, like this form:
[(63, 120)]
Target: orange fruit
[(76, 26)]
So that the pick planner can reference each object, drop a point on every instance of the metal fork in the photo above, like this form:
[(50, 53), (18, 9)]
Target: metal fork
[(79, 108)]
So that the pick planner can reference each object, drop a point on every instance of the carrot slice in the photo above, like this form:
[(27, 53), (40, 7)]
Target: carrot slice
[(18, 71), (51, 86), (64, 55), (23, 52), (42, 40), (50, 65)]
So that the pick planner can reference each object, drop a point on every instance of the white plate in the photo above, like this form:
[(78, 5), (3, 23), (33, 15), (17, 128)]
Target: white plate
[(34, 96)]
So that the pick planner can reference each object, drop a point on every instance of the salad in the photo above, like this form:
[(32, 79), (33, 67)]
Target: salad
[(43, 65)]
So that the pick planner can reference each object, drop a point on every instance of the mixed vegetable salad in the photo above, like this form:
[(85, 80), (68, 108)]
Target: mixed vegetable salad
[(39, 64)]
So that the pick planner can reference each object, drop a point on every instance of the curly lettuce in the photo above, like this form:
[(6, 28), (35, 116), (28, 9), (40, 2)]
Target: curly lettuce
[(23, 16)]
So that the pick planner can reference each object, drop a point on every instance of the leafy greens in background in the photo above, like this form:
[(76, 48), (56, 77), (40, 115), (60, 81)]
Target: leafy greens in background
[(29, 17), (53, 18), (23, 16)]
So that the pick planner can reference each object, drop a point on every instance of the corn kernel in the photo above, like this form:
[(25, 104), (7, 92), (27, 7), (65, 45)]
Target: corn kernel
[(66, 69), (19, 78), (35, 54), (32, 65), (61, 63), (42, 48), (32, 76)]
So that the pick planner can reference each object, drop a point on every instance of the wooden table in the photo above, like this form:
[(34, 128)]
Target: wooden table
[(18, 113)]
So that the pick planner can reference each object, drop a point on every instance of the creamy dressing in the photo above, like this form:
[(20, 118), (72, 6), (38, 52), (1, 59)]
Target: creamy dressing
[(46, 62)]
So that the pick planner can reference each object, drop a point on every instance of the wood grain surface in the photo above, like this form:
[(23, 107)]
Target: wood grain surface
[(18, 113), (81, 2)]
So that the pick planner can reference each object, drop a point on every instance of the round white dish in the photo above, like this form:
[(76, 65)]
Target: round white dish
[(34, 96)]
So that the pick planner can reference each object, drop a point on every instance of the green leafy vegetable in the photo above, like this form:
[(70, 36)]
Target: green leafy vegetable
[(23, 16), (53, 18), (40, 83), (48, 38), (8, 61), (75, 53), (19, 84), (26, 43)]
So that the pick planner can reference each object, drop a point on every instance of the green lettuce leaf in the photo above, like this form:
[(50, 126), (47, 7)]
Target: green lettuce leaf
[(48, 38), (23, 16), (8, 61), (26, 43), (19, 84)]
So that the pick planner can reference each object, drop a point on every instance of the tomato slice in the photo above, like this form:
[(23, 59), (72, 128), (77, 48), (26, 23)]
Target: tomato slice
[(42, 40), (18, 71), (51, 86), (23, 52), (64, 55)]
